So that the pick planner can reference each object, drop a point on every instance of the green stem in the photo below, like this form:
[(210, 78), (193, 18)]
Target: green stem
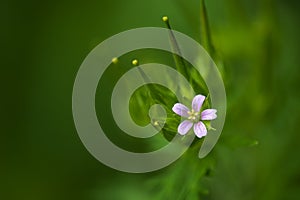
[(205, 36), (179, 61)]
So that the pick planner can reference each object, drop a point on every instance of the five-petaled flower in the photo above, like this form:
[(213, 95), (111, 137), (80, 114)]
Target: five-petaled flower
[(194, 116)]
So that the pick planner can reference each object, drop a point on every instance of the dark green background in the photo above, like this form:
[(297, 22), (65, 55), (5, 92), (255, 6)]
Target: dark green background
[(43, 45)]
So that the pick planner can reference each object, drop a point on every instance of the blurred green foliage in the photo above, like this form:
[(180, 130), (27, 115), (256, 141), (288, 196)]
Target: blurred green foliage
[(256, 46)]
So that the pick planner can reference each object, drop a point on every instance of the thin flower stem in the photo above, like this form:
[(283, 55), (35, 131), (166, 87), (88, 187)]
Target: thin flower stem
[(177, 56), (205, 36), (146, 79), (179, 62)]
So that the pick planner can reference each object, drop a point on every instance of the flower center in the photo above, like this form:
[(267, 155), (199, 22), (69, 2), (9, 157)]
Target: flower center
[(193, 116)]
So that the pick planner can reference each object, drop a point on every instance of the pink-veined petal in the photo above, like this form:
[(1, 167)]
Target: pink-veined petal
[(209, 114), (197, 102), (200, 130), (181, 110), (184, 127)]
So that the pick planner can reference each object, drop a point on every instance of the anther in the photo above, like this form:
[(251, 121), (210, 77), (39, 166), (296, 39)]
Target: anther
[(115, 60), (135, 62)]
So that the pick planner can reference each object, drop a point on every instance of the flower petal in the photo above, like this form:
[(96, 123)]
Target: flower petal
[(181, 110), (209, 114), (184, 127), (200, 130), (197, 102)]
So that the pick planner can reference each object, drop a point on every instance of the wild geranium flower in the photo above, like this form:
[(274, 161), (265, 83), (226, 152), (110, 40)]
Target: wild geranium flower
[(194, 116)]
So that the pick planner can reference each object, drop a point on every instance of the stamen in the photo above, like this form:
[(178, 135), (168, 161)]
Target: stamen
[(166, 20)]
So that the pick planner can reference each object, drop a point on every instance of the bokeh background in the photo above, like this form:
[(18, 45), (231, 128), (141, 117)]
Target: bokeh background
[(43, 45)]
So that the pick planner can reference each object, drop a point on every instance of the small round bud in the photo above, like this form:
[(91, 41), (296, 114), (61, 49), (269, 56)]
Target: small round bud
[(165, 18), (135, 62), (115, 60), (156, 123)]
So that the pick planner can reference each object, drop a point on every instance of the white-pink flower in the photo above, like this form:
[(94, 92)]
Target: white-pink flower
[(194, 116)]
